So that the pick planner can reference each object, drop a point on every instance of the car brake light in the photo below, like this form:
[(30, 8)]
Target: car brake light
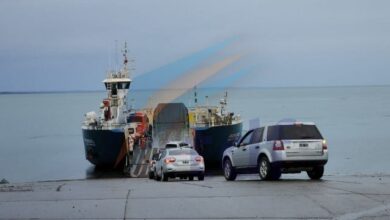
[(199, 159), (324, 145), (169, 160), (278, 145)]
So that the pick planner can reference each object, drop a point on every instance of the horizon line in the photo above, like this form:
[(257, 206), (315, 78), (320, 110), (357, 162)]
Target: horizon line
[(216, 87)]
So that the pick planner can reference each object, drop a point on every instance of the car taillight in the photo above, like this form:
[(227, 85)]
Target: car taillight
[(170, 160), (278, 145), (199, 159), (324, 145)]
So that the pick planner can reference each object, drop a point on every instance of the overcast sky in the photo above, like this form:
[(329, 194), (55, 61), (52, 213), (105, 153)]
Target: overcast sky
[(67, 45)]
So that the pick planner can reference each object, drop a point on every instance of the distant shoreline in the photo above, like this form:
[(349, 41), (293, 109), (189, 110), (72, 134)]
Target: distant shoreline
[(47, 92), (263, 87)]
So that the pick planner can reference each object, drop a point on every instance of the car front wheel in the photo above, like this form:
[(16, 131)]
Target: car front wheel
[(201, 177), (316, 173), (228, 170)]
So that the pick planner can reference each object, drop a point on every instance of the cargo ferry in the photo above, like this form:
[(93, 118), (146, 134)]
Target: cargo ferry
[(110, 136), (213, 129), (120, 137)]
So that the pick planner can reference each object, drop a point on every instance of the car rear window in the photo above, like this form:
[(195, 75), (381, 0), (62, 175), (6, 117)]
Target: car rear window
[(134, 119), (182, 152), (293, 132), (171, 146)]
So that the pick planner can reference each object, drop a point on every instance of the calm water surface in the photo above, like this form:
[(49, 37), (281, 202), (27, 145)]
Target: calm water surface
[(41, 136)]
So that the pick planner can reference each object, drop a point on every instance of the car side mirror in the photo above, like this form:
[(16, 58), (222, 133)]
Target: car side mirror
[(236, 144)]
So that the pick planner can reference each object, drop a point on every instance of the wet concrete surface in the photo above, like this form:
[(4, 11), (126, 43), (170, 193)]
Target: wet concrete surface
[(293, 197)]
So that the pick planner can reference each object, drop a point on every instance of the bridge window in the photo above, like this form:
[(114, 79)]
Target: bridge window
[(124, 85), (114, 89)]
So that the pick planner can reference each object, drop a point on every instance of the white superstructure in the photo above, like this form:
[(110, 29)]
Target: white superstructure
[(113, 109)]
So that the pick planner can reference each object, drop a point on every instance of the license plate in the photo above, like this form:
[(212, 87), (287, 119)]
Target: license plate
[(303, 145), (186, 161)]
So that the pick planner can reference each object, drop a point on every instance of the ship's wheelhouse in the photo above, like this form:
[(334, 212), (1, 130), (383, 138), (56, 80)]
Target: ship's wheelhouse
[(117, 85)]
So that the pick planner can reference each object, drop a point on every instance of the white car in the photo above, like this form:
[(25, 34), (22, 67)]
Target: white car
[(179, 162), (280, 148)]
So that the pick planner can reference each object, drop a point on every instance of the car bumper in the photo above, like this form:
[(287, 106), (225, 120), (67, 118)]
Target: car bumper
[(281, 156), (184, 169), (296, 166)]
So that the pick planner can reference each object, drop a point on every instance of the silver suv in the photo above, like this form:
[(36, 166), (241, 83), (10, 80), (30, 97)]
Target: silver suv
[(276, 149)]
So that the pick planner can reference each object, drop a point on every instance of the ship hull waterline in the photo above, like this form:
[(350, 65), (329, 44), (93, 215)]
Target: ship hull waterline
[(211, 142), (105, 147)]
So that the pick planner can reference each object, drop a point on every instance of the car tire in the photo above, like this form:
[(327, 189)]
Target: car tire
[(229, 171), (316, 173), (191, 178), (264, 168), (201, 177), (156, 177), (151, 175), (164, 176)]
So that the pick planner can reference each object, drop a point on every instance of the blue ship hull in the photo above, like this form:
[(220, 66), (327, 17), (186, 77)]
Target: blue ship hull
[(211, 142), (104, 148)]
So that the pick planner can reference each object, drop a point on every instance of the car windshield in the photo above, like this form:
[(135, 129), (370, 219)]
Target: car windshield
[(182, 152), (293, 132)]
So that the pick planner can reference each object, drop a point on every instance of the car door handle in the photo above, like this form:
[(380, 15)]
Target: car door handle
[(243, 149), (257, 147)]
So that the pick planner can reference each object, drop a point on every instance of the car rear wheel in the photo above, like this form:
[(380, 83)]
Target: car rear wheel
[(164, 176), (264, 168), (316, 173), (151, 174), (201, 177), (228, 170), (156, 177), (191, 178)]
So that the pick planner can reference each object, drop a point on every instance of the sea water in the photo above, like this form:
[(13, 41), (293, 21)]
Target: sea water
[(40, 134)]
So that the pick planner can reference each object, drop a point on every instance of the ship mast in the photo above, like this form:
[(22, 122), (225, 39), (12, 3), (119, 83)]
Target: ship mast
[(195, 97), (223, 103), (125, 70)]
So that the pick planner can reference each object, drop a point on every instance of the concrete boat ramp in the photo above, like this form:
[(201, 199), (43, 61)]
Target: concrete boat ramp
[(293, 197)]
